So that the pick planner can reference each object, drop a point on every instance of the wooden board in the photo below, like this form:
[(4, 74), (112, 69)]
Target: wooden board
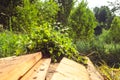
[(39, 71), (17, 66), (94, 74), (51, 70), (70, 70), (10, 61)]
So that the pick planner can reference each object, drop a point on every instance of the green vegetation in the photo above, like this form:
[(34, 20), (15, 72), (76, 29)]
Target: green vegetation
[(109, 73), (61, 28), (12, 44), (33, 29), (53, 44), (81, 23)]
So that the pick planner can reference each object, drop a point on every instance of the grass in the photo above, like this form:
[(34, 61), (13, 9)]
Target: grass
[(12, 44), (100, 51), (109, 73)]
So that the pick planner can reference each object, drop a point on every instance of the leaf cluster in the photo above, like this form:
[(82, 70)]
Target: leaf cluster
[(53, 43)]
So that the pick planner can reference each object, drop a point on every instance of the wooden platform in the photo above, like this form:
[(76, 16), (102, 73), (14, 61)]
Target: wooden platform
[(34, 67), (22, 67)]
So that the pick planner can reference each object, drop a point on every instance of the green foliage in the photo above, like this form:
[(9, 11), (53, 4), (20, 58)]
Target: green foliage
[(81, 23), (109, 73), (12, 44), (6, 41), (83, 47), (104, 16), (115, 30), (65, 10), (45, 39), (105, 37), (7, 10), (47, 12), (29, 15), (99, 50), (105, 47), (34, 14), (26, 17), (54, 44)]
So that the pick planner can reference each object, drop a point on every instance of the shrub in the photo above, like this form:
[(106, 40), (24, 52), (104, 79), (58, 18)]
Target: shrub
[(99, 50), (81, 23), (12, 44), (83, 46), (6, 44), (115, 30), (105, 37), (28, 15), (50, 42), (53, 43)]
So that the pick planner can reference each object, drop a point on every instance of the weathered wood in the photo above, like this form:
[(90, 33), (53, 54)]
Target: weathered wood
[(92, 71), (17, 66), (39, 71), (51, 70), (70, 70)]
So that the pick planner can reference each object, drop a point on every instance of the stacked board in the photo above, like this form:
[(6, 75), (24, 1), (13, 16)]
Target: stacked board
[(24, 67), (34, 67)]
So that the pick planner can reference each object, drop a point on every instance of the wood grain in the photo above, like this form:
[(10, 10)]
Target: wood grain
[(92, 71), (39, 71), (70, 70), (18, 66)]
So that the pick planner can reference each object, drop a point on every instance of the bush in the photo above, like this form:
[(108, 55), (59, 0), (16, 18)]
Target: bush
[(12, 44), (115, 30), (50, 42), (99, 50), (28, 15), (83, 46), (81, 23), (53, 43), (105, 37), (6, 44)]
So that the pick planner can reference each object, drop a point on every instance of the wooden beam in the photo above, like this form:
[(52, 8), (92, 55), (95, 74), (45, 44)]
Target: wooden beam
[(18, 66), (39, 71), (70, 70)]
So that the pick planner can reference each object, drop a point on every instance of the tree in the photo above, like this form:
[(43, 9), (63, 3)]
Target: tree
[(82, 22), (65, 9), (104, 16), (26, 17), (47, 11), (115, 6), (115, 30), (31, 14), (7, 10)]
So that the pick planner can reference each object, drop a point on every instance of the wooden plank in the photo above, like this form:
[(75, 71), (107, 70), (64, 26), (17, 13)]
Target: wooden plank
[(10, 61), (16, 68), (39, 71), (70, 70), (51, 70), (94, 74)]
